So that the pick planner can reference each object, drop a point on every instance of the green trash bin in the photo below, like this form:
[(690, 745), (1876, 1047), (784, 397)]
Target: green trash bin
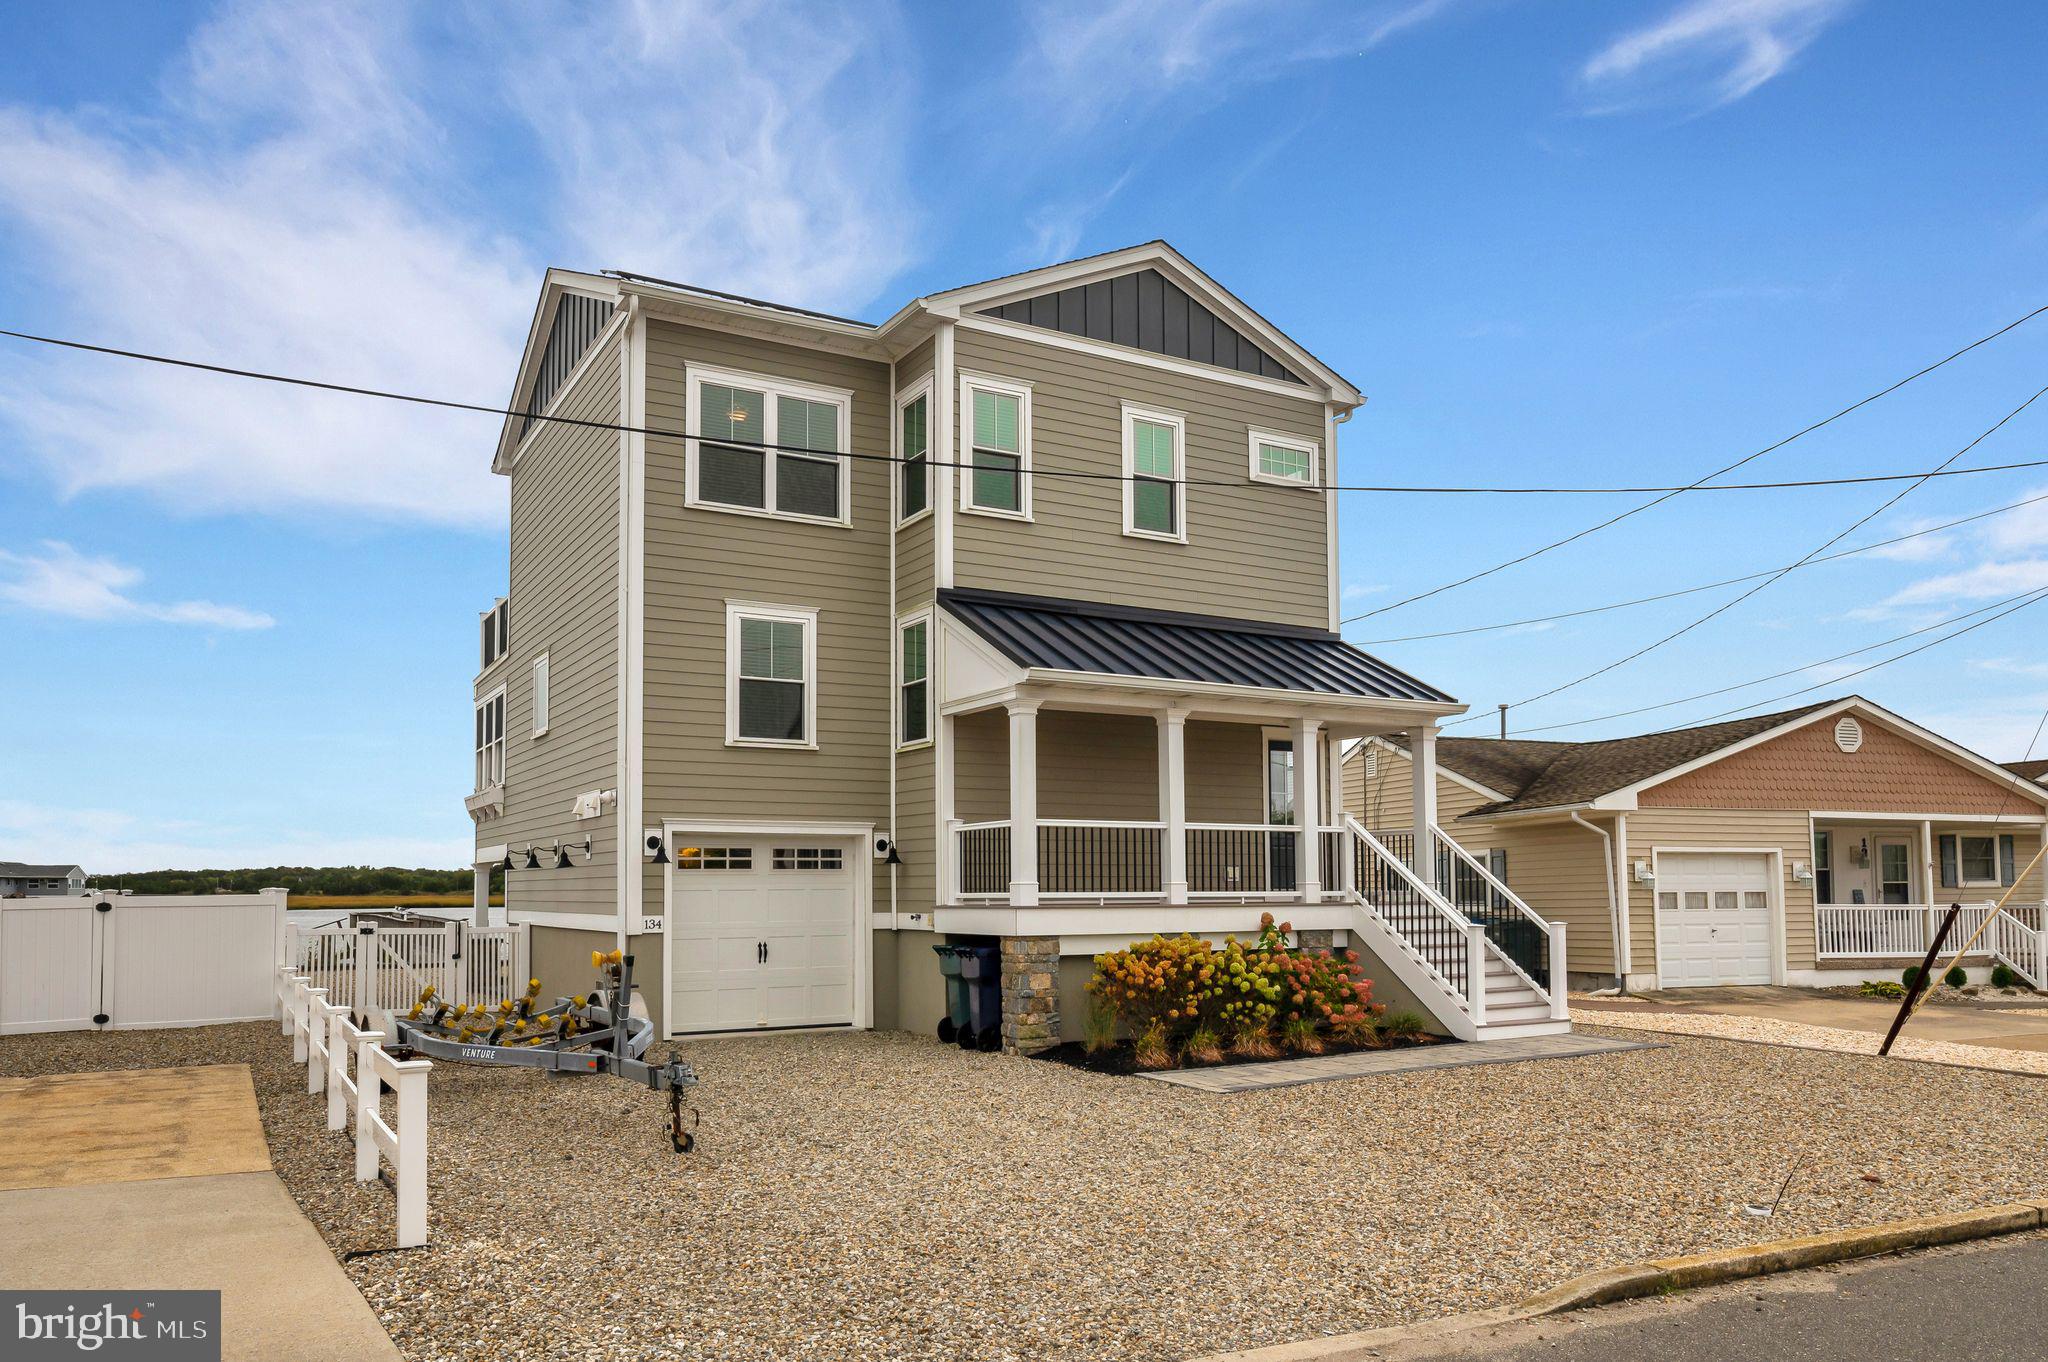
[(958, 1010)]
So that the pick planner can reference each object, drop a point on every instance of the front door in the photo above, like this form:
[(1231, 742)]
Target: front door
[(1280, 849), (1894, 870)]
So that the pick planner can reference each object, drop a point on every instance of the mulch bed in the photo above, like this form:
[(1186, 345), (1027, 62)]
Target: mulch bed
[(1121, 1059)]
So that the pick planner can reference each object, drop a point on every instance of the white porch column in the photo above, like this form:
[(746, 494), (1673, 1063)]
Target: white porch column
[(480, 898), (1023, 803), (1422, 764), (945, 874), (1308, 809), (1173, 801)]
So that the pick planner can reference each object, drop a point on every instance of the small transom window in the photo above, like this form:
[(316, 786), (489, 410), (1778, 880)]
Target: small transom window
[(714, 858), (809, 858), (1284, 458)]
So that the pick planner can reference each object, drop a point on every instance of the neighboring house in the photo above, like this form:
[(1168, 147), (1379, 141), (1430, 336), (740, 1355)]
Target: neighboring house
[(2036, 771), (819, 661), (21, 880), (1812, 846)]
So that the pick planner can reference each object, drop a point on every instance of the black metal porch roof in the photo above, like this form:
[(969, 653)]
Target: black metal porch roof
[(1115, 640)]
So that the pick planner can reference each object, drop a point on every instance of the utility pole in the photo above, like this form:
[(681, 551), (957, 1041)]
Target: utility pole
[(1503, 721)]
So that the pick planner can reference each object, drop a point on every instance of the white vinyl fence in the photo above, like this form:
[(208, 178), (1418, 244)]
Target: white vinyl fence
[(373, 970), (126, 961), (326, 1041)]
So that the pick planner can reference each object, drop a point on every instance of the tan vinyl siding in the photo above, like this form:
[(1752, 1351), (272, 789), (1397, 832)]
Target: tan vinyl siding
[(564, 586), (1781, 830), (697, 559), (916, 770), (914, 542), (1559, 870), (1386, 799), (1106, 766), (1258, 552)]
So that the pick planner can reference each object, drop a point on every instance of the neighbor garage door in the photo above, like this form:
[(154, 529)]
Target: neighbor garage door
[(760, 932), (1713, 918)]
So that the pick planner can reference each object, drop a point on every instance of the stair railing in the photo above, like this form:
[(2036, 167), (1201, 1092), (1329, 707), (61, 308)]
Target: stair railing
[(1447, 943), (1531, 946)]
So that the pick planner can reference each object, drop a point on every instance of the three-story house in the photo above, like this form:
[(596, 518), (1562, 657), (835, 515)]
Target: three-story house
[(1012, 619)]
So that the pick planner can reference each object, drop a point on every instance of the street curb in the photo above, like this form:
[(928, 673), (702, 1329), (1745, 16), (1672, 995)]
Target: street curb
[(1635, 1280)]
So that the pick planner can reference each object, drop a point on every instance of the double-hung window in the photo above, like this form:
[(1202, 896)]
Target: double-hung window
[(914, 447), (913, 680), (490, 740), (1286, 459), (768, 447), (1155, 448), (995, 429), (493, 625), (771, 658)]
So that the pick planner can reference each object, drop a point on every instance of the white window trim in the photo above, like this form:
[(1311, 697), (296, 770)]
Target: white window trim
[(735, 611), (931, 712), (923, 389), (543, 695), (964, 454), (1132, 412), (481, 702), (696, 376), (1963, 880), (1312, 448)]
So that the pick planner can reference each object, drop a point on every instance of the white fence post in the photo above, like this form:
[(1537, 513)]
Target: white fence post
[(313, 999), (287, 980), (522, 960), (298, 1019), (1560, 1009), (1475, 971), (366, 972), (411, 1163), (367, 1096)]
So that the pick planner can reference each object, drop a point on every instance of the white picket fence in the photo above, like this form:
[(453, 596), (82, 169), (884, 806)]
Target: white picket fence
[(127, 961), (374, 970), (325, 1040)]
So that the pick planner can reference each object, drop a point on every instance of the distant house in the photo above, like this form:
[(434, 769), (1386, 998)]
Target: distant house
[(1814, 846), (18, 879), (2036, 771)]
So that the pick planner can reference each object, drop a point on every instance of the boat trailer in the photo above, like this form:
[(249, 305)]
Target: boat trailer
[(594, 1033)]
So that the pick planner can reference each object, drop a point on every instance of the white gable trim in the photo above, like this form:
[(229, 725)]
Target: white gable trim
[(1625, 797), (553, 286), (1174, 266)]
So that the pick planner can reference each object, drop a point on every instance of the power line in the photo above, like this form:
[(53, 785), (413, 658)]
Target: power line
[(1660, 500), (1037, 470), (1781, 573), (1775, 676), (1692, 590)]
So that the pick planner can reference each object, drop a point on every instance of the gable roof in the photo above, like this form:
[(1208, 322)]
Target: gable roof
[(2036, 771), (21, 870)]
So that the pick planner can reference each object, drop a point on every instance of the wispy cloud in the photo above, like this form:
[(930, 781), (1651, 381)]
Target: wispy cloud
[(297, 201), (2001, 556), (1358, 591), (1986, 581), (60, 580), (111, 842), (1705, 52)]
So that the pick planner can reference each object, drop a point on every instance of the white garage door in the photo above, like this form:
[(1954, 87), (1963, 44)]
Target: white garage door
[(1713, 919), (760, 932)]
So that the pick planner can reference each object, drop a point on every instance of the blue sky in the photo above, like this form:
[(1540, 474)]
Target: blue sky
[(1587, 242)]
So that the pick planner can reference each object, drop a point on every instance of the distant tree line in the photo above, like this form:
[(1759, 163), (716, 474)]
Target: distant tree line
[(300, 879)]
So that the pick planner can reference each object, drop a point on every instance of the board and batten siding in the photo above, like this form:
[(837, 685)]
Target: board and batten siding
[(697, 559), (1255, 552), (563, 588)]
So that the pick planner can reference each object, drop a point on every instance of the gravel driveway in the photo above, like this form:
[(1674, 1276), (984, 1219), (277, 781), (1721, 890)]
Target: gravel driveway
[(882, 1196)]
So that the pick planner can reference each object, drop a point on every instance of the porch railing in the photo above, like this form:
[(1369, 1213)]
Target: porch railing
[(1227, 859), (1903, 931), (1085, 858), (981, 860), (1082, 858)]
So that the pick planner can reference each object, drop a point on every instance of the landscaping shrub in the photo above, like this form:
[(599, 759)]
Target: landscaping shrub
[(1178, 992), (2003, 977), (1955, 978), (1910, 975), (1403, 1024), (1098, 1032), (1882, 988)]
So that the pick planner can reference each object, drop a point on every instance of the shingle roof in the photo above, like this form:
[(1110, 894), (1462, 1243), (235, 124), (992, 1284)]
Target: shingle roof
[(1085, 636), (18, 870), (2032, 770), (1543, 775)]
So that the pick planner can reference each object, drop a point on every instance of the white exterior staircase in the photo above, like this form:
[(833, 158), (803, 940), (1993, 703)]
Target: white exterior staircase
[(1461, 962)]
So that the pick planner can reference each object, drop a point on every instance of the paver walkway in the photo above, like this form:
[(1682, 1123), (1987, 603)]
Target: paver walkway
[(160, 1180), (1286, 1073)]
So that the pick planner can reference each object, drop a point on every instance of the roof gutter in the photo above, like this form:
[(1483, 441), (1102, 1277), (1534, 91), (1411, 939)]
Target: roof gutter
[(1613, 899)]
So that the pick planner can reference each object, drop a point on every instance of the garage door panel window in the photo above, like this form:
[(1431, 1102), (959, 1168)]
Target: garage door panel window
[(715, 858), (809, 858), (771, 697)]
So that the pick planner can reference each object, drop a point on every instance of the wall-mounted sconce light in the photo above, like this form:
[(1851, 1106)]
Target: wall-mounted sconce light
[(1802, 871), (532, 857), (1644, 875), (657, 847), (562, 861)]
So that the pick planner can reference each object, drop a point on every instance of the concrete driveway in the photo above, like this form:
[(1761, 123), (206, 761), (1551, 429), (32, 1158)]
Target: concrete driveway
[(2001, 1024)]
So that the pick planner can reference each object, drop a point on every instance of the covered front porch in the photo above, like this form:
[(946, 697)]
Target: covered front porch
[(1883, 883)]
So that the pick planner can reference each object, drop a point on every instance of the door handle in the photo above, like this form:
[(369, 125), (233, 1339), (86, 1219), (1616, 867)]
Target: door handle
[(760, 952)]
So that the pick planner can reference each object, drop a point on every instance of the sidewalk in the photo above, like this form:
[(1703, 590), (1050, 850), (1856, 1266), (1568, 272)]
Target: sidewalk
[(159, 1179)]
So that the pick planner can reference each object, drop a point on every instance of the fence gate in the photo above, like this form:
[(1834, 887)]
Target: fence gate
[(373, 970), (130, 960)]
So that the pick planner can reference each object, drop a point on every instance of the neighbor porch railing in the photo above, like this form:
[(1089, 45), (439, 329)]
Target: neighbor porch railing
[(1903, 931)]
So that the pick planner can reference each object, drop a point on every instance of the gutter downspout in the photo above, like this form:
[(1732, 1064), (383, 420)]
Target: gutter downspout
[(1613, 903)]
